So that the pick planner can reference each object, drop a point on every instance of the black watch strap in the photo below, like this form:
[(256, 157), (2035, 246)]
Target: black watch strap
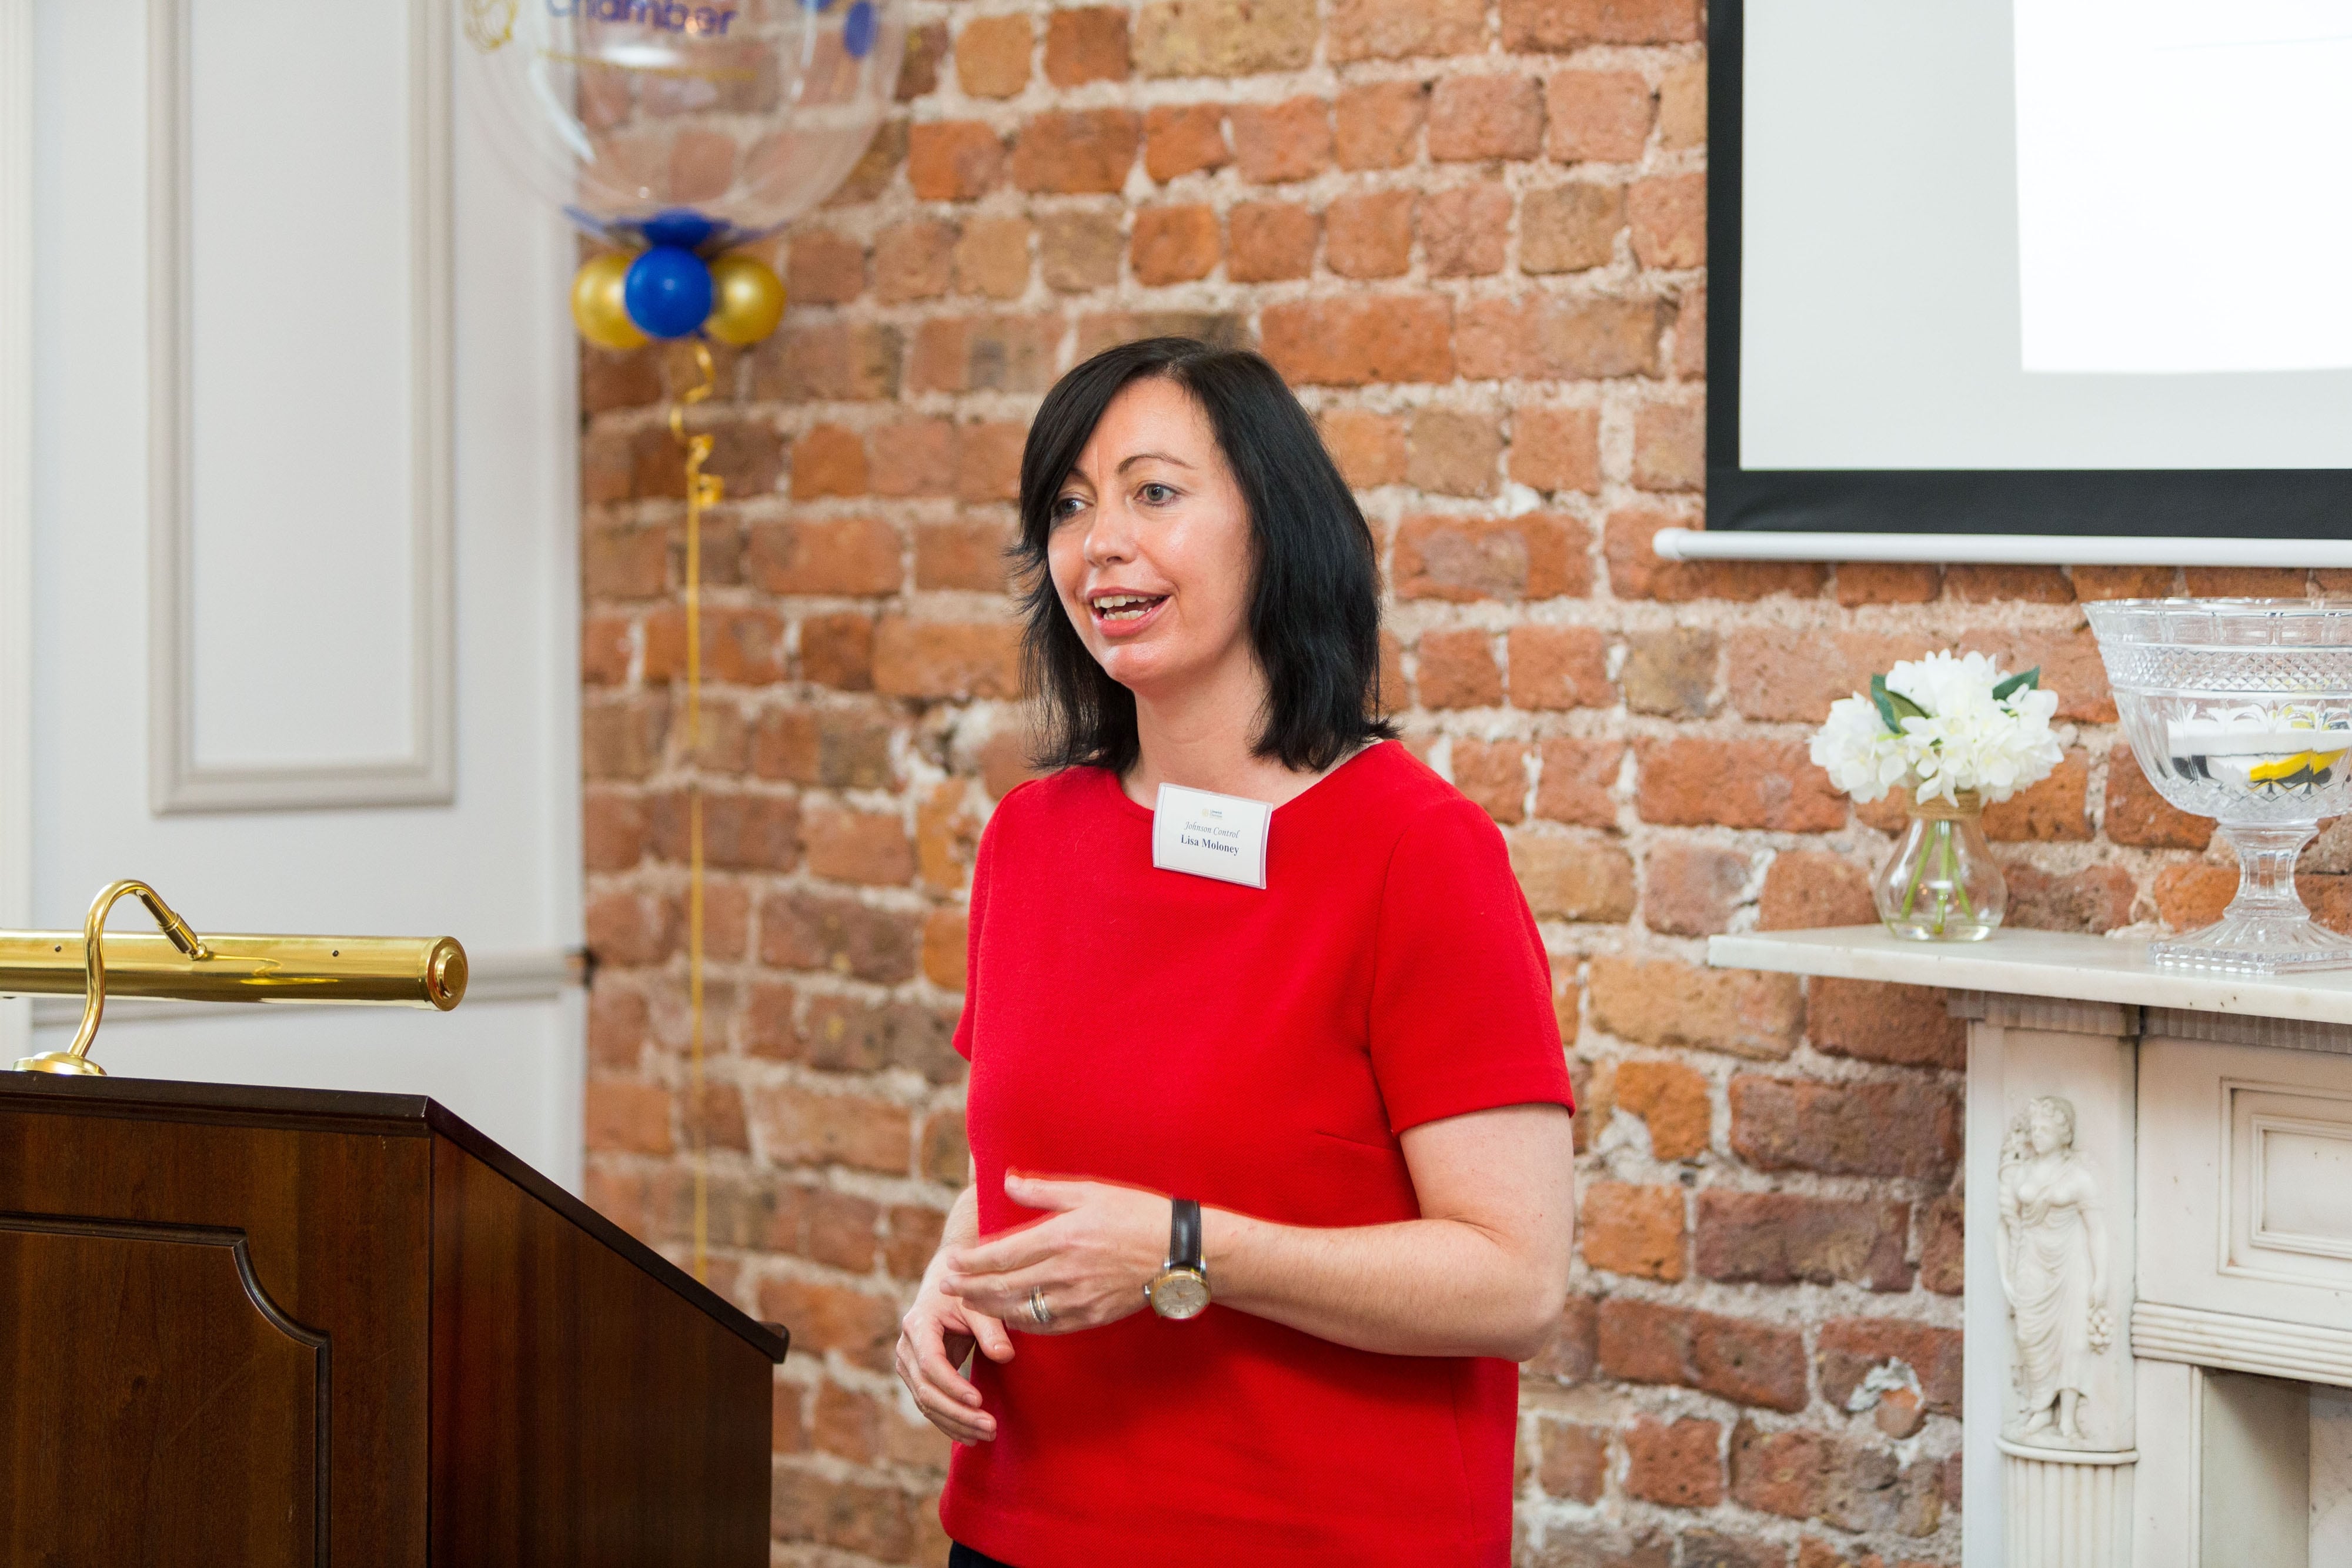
[(1184, 1233)]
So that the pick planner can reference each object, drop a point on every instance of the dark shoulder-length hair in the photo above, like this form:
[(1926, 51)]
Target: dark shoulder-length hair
[(1315, 600)]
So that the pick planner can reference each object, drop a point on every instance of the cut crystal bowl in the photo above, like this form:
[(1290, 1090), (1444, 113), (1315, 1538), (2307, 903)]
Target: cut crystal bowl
[(2241, 710)]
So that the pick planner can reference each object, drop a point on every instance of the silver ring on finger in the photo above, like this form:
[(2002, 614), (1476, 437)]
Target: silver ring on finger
[(1037, 1309)]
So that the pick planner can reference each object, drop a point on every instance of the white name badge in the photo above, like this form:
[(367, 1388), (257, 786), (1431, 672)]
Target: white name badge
[(1222, 836)]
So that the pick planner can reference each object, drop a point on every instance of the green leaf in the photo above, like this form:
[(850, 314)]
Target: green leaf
[(2015, 683), (1893, 706)]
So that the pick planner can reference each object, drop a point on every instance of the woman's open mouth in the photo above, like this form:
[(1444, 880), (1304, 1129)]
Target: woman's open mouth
[(1124, 612)]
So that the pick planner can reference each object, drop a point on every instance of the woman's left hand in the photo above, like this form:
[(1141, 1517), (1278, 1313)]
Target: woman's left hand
[(1088, 1261)]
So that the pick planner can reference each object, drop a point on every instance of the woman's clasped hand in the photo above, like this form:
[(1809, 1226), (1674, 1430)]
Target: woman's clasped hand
[(1084, 1266)]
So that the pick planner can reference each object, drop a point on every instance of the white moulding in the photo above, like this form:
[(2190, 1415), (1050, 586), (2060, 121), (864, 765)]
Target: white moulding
[(2013, 549)]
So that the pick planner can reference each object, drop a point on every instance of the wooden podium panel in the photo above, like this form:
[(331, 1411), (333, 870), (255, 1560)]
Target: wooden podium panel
[(263, 1326)]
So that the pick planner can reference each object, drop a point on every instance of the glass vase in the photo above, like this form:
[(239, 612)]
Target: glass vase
[(1941, 884)]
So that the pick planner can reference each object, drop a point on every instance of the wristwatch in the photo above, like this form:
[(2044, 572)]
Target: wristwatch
[(1181, 1289)]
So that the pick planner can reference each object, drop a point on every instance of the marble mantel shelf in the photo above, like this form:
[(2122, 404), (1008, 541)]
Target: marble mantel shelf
[(2058, 964)]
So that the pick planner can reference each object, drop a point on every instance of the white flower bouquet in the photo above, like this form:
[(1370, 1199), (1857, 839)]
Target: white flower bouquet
[(1955, 733), (1942, 726)]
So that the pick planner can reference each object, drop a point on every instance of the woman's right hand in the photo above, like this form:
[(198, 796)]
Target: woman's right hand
[(934, 1337)]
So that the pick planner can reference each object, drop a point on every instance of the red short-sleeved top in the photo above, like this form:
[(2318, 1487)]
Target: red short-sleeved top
[(1260, 1051)]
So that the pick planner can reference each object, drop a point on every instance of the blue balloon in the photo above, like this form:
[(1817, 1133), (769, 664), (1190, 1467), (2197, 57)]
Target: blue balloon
[(666, 291), (858, 29), (680, 226)]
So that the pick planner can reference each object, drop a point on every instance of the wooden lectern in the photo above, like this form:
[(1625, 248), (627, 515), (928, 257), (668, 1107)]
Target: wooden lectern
[(267, 1326)]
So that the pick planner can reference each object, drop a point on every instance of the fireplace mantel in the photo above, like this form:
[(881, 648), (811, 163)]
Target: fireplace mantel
[(2183, 1143)]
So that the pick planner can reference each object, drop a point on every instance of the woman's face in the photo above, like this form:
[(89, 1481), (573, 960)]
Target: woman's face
[(1151, 551), (2049, 1131)]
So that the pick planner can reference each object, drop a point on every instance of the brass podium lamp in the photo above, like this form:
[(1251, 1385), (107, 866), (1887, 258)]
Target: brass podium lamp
[(385, 971)]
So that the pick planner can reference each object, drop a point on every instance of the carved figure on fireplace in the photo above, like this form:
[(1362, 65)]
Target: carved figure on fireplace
[(2054, 1270)]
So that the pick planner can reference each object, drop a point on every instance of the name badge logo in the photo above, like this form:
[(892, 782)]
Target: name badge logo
[(1205, 834)]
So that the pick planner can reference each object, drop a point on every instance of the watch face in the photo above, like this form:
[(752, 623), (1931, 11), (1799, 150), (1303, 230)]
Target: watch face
[(1179, 1294)]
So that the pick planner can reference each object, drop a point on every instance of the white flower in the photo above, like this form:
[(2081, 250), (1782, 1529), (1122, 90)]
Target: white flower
[(1962, 738)]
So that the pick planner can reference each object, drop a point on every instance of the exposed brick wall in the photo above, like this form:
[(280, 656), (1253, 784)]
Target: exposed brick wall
[(1472, 234)]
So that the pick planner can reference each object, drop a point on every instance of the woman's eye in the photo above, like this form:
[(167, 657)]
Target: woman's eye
[(1068, 506), (1155, 495)]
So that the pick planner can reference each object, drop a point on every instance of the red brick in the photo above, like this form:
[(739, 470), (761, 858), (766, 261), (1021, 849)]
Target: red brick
[(1182, 139), (1578, 778), (1376, 124), (1668, 214), (1908, 1129), (850, 1034), (1368, 448), (836, 932), (1272, 240), (1597, 116), (1540, 337), (626, 563), (2096, 899), (749, 458), (1371, 233), (824, 269), (953, 159), (1678, 1465), (741, 831), (967, 554), (1670, 673), (2055, 810), (914, 1240), (991, 258), (946, 1156), (1562, 25), (1672, 1101), (944, 948), (1682, 106), (1463, 230), (838, 651), (1573, 876), (1358, 342), (2246, 582), (1457, 670), (623, 738), (2136, 814), (857, 846), (1635, 1231), (1785, 1238), (879, 164), (1666, 1002), (849, 360), (739, 644), (1575, 1460), (1468, 559), (628, 1118), (1494, 775), (610, 380), (1746, 1362), (1769, 784), (1455, 452), (1851, 1347), (913, 261), (2188, 896), (799, 1126), (2094, 582), (1942, 1246), (1400, 30), (1906, 1025), (862, 1326), (1078, 251), (988, 461), (1557, 449), (1086, 44), (1636, 573), (985, 353), (918, 67), (1174, 244), (852, 556), (1224, 37), (1882, 582), (1560, 666), (1777, 1472), (1573, 1353), (1978, 583), (1670, 446), (1281, 141), (1691, 889), (1473, 118), (828, 461), (1068, 151), (946, 659), (992, 55)]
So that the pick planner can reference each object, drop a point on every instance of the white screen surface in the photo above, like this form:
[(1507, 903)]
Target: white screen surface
[(1915, 180)]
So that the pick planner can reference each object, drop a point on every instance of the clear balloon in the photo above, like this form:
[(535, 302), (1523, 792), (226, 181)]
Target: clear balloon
[(741, 114)]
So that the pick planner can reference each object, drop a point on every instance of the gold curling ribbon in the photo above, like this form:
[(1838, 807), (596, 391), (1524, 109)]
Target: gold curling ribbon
[(701, 490)]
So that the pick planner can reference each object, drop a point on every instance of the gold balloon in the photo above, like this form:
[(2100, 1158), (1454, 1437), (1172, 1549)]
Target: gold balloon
[(596, 304), (747, 300)]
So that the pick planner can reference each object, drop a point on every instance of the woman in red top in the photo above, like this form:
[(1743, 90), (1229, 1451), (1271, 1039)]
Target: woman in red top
[(1299, 1064)]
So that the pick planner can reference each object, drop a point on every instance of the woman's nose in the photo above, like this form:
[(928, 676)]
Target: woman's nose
[(1109, 537)]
